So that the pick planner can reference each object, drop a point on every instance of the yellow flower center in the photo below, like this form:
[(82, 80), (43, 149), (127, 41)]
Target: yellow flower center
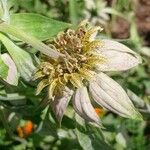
[(77, 65)]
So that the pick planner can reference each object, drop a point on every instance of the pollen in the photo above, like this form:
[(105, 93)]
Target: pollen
[(78, 64)]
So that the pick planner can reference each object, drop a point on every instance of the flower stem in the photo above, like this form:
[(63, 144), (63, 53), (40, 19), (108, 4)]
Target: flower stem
[(9, 29), (5, 122)]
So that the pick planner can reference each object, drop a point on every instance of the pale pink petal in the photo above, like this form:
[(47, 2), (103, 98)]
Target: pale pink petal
[(110, 95), (83, 106), (60, 103), (12, 77), (118, 56)]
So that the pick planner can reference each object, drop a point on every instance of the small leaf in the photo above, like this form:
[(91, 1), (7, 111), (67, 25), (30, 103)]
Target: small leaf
[(121, 140), (136, 100), (145, 51), (8, 70), (84, 140), (91, 138), (12, 97), (38, 26), (4, 10)]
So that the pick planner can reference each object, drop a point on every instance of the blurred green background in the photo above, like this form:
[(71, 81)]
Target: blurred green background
[(127, 21)]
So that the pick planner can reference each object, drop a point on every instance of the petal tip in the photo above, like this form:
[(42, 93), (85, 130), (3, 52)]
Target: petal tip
[(137, 116)]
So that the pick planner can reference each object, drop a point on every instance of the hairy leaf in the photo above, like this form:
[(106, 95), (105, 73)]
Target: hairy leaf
[(38, 26)]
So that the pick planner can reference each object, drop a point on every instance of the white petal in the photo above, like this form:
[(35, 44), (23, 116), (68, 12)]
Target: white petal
[(60, 104), (83, 106), (118, 56), (109, 94)]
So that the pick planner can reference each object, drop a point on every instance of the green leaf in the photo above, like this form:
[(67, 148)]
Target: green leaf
[(90, 136), (22, 59), (38, 26), (34, 42), (12, 97), (97, 138), (8, 70), (84, 140), (4, 10)]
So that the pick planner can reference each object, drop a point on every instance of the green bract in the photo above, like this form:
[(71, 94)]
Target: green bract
[(21, 58)]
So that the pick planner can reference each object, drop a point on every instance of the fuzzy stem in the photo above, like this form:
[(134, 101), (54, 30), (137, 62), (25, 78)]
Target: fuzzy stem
[(9, 29)]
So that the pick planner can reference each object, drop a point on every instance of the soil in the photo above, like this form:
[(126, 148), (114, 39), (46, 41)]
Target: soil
[(120, 29), (142, 13), (109, 2), (143, 19)]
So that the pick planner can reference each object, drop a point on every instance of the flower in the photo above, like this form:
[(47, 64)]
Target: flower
[(26, 129), (99, 111), (79, 74), (101, 11)]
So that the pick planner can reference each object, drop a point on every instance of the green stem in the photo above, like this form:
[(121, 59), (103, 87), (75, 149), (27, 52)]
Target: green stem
[(9, 29), (73, 12), (4, 121)]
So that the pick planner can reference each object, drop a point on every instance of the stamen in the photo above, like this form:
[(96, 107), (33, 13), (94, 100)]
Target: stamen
[(79, 61), (52, 88), (90, 32)]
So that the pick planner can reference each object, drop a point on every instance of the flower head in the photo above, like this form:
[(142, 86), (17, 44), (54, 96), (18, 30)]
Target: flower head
[(79, 73)]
